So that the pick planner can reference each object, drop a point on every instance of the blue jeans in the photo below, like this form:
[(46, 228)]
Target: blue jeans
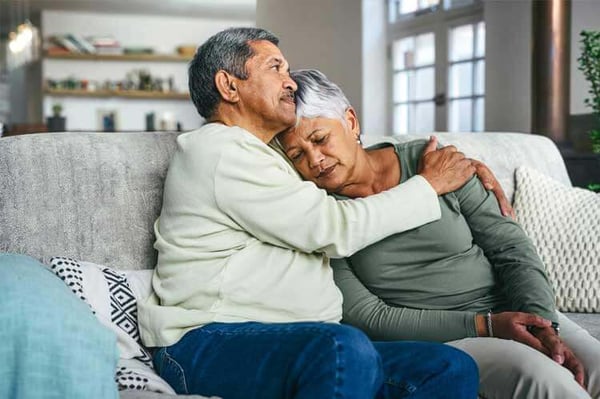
[(311, 361)]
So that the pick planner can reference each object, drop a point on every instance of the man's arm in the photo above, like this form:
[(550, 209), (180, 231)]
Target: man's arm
[(266, 199)]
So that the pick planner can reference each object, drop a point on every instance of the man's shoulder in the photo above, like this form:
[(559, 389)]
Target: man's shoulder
[(211, 135)]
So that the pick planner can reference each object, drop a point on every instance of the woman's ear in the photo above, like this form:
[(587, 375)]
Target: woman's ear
[(227, 86), (352, 122)]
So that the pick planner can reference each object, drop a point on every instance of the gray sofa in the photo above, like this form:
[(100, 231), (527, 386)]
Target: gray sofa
[(95, 196)]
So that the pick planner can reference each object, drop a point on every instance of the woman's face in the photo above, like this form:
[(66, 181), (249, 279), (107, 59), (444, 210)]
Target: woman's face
[(324, 150)]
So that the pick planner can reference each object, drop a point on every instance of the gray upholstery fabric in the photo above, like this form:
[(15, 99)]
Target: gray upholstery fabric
[(91, 196)]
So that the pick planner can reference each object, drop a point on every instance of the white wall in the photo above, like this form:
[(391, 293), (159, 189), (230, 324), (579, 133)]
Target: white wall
[(321, 34), (376, 95), (164, 34), (585, 15), (508, 65)]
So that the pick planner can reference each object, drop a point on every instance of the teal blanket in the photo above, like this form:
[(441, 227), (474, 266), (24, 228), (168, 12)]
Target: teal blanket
[(52, 346)]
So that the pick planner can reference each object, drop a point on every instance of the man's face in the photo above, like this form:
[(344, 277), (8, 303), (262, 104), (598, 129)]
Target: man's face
[(267, 96)]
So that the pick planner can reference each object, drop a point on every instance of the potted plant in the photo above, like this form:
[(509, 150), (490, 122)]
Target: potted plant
[(56, 122), (589, 64)]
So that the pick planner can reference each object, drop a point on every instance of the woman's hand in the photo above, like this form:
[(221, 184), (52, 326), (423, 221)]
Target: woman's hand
[(513, 325), (490, 182), (560, 352)]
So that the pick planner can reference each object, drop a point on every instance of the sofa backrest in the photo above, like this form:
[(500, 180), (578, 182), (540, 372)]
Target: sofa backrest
[(90, 196), (95, 196), (502, 152)]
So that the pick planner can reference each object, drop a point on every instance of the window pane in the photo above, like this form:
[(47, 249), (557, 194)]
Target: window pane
[(424, 83), (411, 118), (460, 115), (480, 77), (479, 114), (393, 10), (480, 51), (456, 3), (428, 3), (425, 50), (401, 119), (461, 43), (401, 87), (424, 117), (403, 50), (461, 79), (408, 6)]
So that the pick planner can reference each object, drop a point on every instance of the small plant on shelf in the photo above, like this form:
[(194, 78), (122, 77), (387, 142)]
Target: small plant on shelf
[(57, 109), (589, 64)]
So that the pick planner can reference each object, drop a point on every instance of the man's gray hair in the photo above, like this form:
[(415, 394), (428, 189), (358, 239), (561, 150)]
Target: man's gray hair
[(227, 50), (318, 97)]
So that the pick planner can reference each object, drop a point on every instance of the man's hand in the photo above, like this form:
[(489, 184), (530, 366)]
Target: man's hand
[(490, 182), (445, 169), (560, 352)]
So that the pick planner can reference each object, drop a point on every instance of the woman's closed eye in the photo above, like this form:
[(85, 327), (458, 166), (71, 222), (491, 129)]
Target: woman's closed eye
[(320, 140), (296, 156)]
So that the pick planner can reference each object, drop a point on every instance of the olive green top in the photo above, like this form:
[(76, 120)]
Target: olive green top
[(429, 283)]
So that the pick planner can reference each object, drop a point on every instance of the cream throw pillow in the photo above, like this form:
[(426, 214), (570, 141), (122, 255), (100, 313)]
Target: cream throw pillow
[(564, 224)]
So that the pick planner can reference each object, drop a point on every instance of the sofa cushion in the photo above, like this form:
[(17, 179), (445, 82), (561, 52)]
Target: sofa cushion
[(112, 296), (564, 225)]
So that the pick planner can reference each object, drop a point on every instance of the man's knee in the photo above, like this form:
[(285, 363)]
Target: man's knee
[(350, 351)]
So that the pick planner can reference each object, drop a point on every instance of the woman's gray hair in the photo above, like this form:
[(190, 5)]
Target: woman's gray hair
[(227, 50), (318, 97)]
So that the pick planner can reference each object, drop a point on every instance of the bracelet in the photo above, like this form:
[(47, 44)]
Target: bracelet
[(556, 327), (488, 320)]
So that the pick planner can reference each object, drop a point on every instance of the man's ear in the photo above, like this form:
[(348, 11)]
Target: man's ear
[(227, 86), (352, 122)]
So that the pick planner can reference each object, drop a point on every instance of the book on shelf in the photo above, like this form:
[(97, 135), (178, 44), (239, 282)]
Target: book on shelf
[(109, 50), (82, 43), (103, 41), (64, 42)]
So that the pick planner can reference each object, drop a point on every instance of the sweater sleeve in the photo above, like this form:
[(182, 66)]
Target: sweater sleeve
[(512, 254), (259, 193), (363, 309)]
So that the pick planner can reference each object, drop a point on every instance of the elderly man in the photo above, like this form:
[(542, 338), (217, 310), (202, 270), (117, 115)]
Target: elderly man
[(245, 305)]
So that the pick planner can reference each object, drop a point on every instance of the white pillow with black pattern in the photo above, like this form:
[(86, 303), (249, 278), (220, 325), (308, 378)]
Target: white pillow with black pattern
[(113, 300)]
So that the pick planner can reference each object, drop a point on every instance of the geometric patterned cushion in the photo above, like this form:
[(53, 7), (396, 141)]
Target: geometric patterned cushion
[(564, 224), (112, 300)]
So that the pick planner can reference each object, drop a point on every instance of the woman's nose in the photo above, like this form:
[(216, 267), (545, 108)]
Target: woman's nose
[(315, 158)]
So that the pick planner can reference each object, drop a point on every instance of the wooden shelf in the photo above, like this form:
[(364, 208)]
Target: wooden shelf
[(120, 57), (137, 94)]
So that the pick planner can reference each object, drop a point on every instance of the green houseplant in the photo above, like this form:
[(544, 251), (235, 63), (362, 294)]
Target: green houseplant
[(589, 64)]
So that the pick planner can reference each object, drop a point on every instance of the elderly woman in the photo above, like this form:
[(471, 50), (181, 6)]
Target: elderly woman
[(471, 279)]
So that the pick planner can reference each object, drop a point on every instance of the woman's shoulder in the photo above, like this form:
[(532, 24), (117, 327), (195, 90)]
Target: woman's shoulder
[(409, 153)]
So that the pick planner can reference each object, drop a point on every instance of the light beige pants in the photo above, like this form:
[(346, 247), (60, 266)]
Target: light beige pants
[(509, 369)]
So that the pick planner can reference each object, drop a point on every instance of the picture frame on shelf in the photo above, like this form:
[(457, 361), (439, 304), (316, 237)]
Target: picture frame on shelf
[(107, 120)]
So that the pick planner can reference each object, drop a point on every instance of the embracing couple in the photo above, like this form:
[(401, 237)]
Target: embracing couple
[(441, 293)]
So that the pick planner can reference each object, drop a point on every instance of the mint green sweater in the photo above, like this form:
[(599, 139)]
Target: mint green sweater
[(430, 282)]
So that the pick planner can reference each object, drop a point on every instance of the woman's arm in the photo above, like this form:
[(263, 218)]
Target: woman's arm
[(512, 254), (364, 310)]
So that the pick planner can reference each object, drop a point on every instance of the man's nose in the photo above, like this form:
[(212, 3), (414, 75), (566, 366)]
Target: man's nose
[(289, 84)]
